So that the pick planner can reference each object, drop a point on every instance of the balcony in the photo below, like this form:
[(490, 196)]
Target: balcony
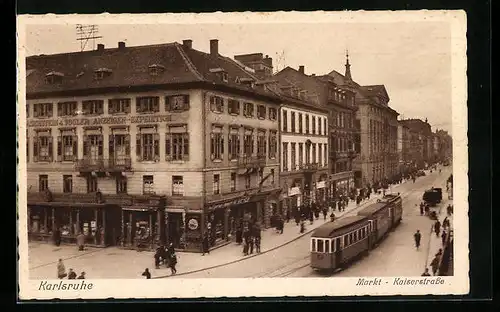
[(251, 162), (104, 165), (312, 167)]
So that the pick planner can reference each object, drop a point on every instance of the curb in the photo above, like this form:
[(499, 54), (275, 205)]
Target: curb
[(248, 257)]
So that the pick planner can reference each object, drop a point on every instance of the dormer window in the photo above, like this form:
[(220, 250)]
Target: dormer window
[(102, 73), (221, 74), (249, 82), (54, 77), (156, 69)]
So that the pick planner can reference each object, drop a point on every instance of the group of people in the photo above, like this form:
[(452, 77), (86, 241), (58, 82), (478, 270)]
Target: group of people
[(61, 272), (165, 256)]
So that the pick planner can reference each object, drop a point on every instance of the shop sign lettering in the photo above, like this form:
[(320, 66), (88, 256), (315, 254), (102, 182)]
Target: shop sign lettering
[(238, 201), (98, 121)]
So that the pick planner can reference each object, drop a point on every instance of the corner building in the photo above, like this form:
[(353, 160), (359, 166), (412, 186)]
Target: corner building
[(148, 145)]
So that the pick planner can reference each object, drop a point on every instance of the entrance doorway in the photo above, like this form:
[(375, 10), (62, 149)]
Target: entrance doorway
[(175, 229)]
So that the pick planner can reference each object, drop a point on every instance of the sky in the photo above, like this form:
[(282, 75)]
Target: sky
[(412, 60)]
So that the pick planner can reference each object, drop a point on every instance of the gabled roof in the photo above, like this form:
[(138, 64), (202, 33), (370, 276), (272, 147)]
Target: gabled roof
[(130, 67), (375, 91)]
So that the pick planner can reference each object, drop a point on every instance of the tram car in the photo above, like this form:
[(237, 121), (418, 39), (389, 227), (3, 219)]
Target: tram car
[(336, 243)]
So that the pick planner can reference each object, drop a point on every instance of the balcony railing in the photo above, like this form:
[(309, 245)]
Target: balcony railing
[(252, 161), (309, 167), (104, 165)]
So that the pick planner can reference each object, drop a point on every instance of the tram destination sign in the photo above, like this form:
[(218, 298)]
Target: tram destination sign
[(98, 121)]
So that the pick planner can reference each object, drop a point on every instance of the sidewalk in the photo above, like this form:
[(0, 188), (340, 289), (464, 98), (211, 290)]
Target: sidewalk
[(113, 262), (435, 242)]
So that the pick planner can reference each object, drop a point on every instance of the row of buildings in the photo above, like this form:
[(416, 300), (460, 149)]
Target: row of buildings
[(164, 143)]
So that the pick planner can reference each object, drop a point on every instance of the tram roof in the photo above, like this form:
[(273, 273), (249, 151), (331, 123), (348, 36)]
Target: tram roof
[(327, 229), (373, 208)]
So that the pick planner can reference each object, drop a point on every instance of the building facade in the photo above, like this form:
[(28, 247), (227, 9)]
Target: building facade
[(445, 145), (404, 153), (421, 142), (143, 146)]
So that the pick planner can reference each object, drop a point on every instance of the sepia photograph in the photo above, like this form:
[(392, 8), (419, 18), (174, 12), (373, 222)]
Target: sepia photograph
[(242, 154)]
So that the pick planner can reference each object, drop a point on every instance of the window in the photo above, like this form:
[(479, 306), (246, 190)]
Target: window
[(292, 119), (121, 185), (301, 154), (177, 143), (314, 153), (216, 104), (102, 73), (233, 181), (272, 176), (300, 123), (320, 132), (261, 144), (93, 107), (327, 245), (313, 129), (285, 121), (216, 143), (147, 145), (216, 186), (147, 104), (248, 110), (148, 186), (43, 148), (234, 143), (248, 182), (320, 155), (67, 184), (177, 186), (119, 148), (313, 244), (27, 110), (248, 143), (293, 165), (54, 78), (118, 106), (272, 113), (346, 240), (285, 156), (43, 183), (67, 147), (42, 110), (93, 146), (177, 103), (261, 112), (307, 124), (156, 69), (233, 107), (325, 151), (66, 109), (91, 184), (325, 126), (273, 144)]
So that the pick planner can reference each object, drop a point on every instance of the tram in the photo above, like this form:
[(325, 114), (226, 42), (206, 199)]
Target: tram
[(335, 244)]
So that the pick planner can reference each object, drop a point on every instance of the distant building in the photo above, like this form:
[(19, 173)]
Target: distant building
[(149, 145), (404, 153), (445, 145), (421, 142)]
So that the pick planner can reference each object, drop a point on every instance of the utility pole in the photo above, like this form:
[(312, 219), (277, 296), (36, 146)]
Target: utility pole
[(85, 33)]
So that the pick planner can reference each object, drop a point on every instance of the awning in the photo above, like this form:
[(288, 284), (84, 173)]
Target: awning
[(142, 208)]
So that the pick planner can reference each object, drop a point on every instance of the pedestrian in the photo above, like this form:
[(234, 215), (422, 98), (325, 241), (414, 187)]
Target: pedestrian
[(325, 212), (71, 274), (332, 217), (173, 263), (339, 205), (157, 257), (443, 237), (437, 227), (439, 253), (80, 240), (61, 270), (205, 247), (257, 244), (426, 272), (421, 209), (417, 236), (146, 273), (57, 236), (245, 247), (311, 217), (435, 265), (302, 226), (82, 276), (282, 226), (250, 244), (426, 209), (287, 215)]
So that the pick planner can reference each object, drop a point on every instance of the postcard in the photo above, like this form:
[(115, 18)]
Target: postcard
[(242, 154)]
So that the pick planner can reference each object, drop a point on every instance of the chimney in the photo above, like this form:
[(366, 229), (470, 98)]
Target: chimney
[(188, 43), (301, 69), (214, 47), (121, 45), (100, 47)]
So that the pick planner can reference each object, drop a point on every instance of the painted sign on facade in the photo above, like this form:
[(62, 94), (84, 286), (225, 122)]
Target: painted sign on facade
[(99, 121)]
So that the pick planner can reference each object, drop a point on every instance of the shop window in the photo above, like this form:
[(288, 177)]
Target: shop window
[(217, 143), (273, 144), (234, 143), (43, 148), (248, 182), (261, 144), (119, 106), (147, 104), (216, 104), (248, 110), (285, 156), (272, 113), (91, 184), (43, 183), (148, 145), (66, 109), (234, 107), (67, 147), (67, 184), (261, 112), (121, 185), (177, 186), (93, 107), (177, 143), (285, 120), (43, 110), (177, 103), (216, 184), (233, 181), (148, 186), (300, 123)]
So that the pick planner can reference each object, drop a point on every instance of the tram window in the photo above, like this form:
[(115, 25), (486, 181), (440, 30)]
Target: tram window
[(350, 238), (320, 245), (356, 236), (346, 241), (313, 245), (327, 245)]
